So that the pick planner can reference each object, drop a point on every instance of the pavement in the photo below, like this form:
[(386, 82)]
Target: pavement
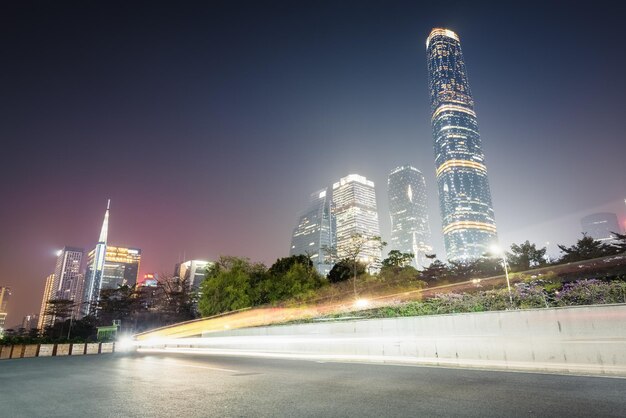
[(200, 385)]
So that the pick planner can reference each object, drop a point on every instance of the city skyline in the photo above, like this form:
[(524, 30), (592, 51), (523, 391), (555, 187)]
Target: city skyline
[(207, 84)]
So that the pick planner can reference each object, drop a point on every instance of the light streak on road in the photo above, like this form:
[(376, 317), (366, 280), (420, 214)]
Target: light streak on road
[(262, 316)]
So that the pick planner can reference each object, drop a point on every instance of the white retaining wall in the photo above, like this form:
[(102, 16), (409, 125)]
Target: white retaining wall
[(586, 339)]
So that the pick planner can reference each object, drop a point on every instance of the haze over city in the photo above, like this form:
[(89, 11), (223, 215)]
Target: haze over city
[(208, 126)]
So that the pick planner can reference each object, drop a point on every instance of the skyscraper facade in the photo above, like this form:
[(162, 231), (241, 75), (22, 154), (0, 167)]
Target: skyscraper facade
[(410, 231), (67, 275), (193, 271), (46, 320), (121, 266), (354, 197), (95, 266), (468, 221), (601, 226), (5, 294), (314, 235)]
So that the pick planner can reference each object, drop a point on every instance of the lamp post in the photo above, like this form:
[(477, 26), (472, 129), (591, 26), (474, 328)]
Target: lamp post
[(496, 250)]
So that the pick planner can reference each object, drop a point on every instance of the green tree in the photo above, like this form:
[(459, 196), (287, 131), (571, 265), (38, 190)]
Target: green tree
[(342, 271), (397, 258), (60, 310), (228, 286), (525, 256), (436, 272), (585, 248), (298, 281)]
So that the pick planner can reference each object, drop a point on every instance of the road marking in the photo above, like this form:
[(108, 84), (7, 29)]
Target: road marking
[(179, 363)]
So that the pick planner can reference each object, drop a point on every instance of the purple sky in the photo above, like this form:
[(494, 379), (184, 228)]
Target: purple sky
[(209, 125)]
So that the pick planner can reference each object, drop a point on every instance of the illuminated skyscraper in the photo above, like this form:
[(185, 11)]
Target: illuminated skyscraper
[(467, 217), (410, 232), (121, 266), (46, 320), (67, 275), (194, 271), (5, 293), (354, 198), (314, 235), (95, 266), (601, 226)]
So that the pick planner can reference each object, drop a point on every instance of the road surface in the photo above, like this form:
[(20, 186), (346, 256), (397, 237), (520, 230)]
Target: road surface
[(194, 385)]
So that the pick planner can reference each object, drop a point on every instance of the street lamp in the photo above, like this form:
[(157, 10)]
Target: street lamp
[(496, 250)]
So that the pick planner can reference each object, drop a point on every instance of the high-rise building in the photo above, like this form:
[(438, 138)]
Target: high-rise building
[(67, 275), (601, 226), (194, 271), (410, 231), (314, 236), (48, 292), (356, 214), (95, 266), (5, 294), (469, 226), (120, 267)]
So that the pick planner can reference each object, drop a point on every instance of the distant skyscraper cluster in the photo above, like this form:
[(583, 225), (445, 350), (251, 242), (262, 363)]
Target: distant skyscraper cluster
[(467, 215), (107, 267), (468, 221)]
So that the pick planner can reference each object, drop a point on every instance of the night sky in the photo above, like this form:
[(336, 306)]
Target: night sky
[(208, 124)]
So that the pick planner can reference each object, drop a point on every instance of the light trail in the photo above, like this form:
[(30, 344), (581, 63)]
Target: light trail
[(263, 316)]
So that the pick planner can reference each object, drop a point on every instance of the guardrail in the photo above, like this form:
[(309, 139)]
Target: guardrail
[(50, 350)]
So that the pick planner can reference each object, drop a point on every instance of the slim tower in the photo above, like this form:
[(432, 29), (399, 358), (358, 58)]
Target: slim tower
[(410, 232), (467, 217), (93, 279)]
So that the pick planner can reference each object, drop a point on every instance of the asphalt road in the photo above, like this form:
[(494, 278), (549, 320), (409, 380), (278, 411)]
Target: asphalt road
[(187, 385)]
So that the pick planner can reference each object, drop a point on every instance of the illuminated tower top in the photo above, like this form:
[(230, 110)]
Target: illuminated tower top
[(105, 224)]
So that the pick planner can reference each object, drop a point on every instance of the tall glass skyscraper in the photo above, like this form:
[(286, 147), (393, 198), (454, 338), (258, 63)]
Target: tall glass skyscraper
[(354, 197), (469, 226), (95, 266), (410, 232), (315, 233)]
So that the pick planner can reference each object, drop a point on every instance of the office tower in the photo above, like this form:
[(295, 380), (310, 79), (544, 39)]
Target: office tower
[(356, 214), (5, 294), (314, 236), (194, 271), (95, 265), (120, 267), (48, 292), (467, 217), (410, 231), (601, 226), (67, 275)]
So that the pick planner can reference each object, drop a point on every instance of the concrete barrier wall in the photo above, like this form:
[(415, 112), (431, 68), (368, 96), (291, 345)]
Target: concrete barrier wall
[(5, 352), (586, 339), (30, 350), (49, 350), (46, 350), (17, 351)]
